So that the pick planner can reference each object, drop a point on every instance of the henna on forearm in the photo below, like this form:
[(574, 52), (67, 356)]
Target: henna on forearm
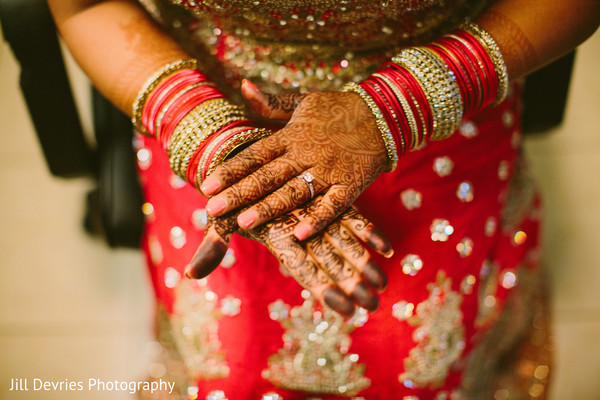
[(514, 45)]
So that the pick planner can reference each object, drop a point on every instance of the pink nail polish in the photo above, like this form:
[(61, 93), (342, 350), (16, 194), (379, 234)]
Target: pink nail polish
[(302, 231), (251, 86), (209, 187), (246, 219), (215, 206)]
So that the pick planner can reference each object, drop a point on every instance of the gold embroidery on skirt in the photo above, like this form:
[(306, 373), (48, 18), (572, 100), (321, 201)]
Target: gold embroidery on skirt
[(195, 330), (314, 357), (440, 336)]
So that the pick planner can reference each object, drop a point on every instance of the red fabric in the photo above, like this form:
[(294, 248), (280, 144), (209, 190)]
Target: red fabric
[(383, 343)]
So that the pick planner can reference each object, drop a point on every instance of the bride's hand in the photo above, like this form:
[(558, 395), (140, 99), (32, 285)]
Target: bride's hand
[(333, 265), (331, 145)]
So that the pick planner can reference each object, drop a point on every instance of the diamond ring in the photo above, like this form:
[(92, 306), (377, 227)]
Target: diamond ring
[(308, 179)]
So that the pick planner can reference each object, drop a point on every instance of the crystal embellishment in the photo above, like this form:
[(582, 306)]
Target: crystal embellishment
[(228, 259), (411, 199), (468, 129), (443, 166), (441, 230), (439, 335), (199, 218), (412, 264), (315, 354), (403, 310), (465, 192), (172, 277), (230, 306), (177, 237), (465, 247)]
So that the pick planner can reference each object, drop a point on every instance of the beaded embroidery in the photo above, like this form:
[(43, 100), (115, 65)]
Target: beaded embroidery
[(440, 336), (315, 357)]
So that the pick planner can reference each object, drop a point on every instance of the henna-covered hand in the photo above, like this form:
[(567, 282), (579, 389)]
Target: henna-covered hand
[(334, 266), (331, 135)]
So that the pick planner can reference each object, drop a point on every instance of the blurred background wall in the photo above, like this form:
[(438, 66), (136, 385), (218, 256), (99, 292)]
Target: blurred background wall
[(71, 308)]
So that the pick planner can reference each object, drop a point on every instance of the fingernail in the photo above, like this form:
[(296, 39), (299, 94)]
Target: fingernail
[(246, 219), (209, 187), (215, 206), (375, 275), (365, 297), (188, 272), (302, 231), (251, 86), (337, 300), (389, 254)]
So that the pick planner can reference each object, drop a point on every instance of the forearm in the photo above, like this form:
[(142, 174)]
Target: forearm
[(532, 33), (115, 43)]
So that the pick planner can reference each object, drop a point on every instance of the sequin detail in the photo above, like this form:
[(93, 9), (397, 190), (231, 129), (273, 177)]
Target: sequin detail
[(195, 330), (412, 264), (491, 224), (440, 335), (171, 277), (199, 218), (468, 129), (271, 396), (509, 280), (144, 158), (503, 170), (466, 286), (465, 192), (177, 237), (403, 310), (443, 166), (230, 306), (315, 355), (176, 182), (229, 259), (411, 199), (441, 230), (216, 395), (465, 247)]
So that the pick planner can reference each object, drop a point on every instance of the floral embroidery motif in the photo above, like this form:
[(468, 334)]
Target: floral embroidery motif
[(195, 329), (440, 336), (314, 357)]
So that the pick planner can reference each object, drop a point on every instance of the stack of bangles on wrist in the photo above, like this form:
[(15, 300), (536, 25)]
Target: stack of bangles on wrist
[(192, 120), (424, 92)]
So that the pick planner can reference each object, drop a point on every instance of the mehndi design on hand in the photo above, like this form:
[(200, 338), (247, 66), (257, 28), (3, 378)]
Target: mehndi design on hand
[(332, 136), (334, 265)]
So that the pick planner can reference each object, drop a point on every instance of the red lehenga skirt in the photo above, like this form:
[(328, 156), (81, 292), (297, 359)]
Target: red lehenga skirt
[(464, 315)]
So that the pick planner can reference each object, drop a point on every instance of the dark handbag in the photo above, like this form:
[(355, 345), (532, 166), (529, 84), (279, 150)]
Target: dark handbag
[(114, 207)]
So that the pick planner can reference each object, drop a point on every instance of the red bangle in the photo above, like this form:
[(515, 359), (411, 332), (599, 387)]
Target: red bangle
[(402, 127), (164, 96), (192, 168)]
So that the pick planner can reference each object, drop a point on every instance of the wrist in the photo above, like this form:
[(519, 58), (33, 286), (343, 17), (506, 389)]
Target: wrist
[(194, 121), (425, 91)]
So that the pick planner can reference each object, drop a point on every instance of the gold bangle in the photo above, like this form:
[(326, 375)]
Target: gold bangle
[(495, 54), (382, 126), (195, 129), (151, 84), (235, 142), (438, 84)]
